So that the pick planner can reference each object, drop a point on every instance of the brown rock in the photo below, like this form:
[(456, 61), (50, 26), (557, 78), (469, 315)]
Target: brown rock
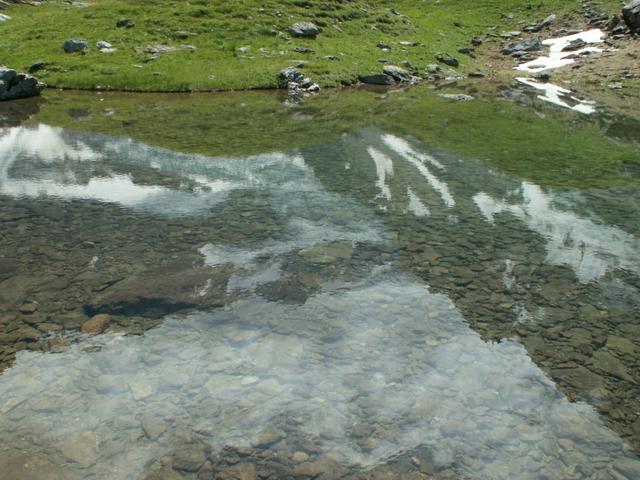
[(96, 324)]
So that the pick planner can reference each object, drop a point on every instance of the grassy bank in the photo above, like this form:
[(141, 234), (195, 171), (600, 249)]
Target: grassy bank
[(351, 31)]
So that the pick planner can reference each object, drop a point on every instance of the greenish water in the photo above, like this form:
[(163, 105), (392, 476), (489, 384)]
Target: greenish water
[(365, 285)]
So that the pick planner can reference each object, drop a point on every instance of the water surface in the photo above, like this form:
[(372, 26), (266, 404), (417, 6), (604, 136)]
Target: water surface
[(352, 297)]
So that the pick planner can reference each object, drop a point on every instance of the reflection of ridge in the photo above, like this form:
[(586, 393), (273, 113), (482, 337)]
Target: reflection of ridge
[(418, 160), (384, 168), (589, 248)]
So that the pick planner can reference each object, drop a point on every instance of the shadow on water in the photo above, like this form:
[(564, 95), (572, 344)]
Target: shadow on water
[(368, 304)]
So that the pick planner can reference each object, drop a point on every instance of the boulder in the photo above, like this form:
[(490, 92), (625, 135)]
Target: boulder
[(533, 44), (397, 73), (447, 59), (377, 79), (547, 22), (631, 15), (18, 85), (73, 45), (304, 30), (289, 75)]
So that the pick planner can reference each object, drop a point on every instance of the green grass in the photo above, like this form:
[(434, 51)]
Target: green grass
[(562, 149), (351, 31)]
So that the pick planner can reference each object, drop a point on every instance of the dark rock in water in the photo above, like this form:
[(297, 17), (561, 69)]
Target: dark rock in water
[(289, 75), (181, 285), (476, 41), (18, 85), (304, 30), (576, 44), (447, 59), (37, 66), (377, 79), (533, 44), (397, 73), (73, 46), (125, 22), (631, 15)]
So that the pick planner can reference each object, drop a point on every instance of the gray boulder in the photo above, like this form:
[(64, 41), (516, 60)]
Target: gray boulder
[(289, 75), (397, 73), (18, 85), (304, 30), (73, 46), (377, 79), (631, 15), (533, 44)]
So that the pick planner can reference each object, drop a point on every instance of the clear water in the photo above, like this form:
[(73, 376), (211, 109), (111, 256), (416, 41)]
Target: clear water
[(369, 305)]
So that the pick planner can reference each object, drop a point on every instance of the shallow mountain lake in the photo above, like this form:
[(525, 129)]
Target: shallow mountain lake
[(365, 284)]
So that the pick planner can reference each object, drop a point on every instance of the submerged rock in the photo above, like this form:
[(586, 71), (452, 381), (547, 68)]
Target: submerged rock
[(180, 285), (18, 85), (631, 15), (97, 324), (304, 30)]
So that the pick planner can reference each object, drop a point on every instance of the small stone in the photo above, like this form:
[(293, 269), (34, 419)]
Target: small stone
[(34, 67), (125, 22), (304, 30), (300, 457), (477, 74), (74, 46), (241, 471), (97, 324), (476, 41), (189, 458), (29, 308)]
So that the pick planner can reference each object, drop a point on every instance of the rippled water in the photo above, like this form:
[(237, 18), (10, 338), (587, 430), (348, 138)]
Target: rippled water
[(366, 306)]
